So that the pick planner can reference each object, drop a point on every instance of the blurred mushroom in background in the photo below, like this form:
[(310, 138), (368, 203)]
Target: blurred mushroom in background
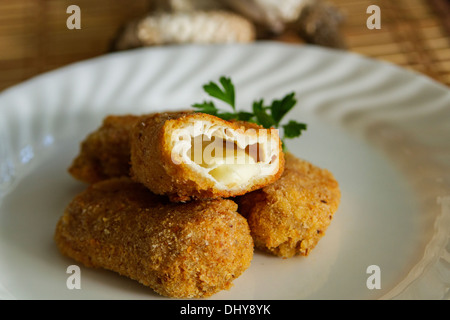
[(232, 21)]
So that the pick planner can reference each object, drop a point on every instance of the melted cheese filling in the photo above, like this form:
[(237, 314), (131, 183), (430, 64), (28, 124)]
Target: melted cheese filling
[(225, 161), (228, 157)]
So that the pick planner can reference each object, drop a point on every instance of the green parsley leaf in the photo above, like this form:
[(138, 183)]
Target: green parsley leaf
[(280, 108), (226, 94), (269, 116), (293, 129), (262, 117), (244, 116), (226, 115), (206, 107)]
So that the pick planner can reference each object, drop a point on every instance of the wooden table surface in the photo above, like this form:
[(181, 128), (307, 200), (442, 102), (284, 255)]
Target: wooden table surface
[(34, 38)]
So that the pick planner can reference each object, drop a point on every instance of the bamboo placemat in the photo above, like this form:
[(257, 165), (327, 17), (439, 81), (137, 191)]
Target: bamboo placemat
[(33, 36), (414, 34)]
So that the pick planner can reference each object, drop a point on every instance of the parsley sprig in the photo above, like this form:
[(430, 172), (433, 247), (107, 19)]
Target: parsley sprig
[(268, 116)]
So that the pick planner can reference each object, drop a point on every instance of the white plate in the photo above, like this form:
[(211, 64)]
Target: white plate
[(381, 130)]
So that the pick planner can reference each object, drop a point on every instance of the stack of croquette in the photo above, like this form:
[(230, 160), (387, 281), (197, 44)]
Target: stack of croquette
[(185, 228)]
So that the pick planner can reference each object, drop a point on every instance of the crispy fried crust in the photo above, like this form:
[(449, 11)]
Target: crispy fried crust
[(153, 166), (105, 153), (290, 216), (179, 250)]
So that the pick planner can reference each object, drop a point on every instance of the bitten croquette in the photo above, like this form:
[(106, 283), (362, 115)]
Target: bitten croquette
[(164, 153)]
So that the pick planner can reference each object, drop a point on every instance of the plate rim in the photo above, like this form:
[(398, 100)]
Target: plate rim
[(444, 217)]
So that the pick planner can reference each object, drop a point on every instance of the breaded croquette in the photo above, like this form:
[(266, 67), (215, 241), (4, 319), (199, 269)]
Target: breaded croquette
[(105, 153), (188, 250), (200, 156), (290, 216)]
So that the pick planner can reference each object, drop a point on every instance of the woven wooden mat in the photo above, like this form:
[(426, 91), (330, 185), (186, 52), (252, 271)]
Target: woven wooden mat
[(414, 34), (33, 36)]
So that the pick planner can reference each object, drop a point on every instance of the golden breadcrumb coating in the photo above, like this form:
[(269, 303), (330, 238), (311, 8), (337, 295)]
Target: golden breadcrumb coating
[(290, 216), (105, 153), (152, 157), (189, 250)]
